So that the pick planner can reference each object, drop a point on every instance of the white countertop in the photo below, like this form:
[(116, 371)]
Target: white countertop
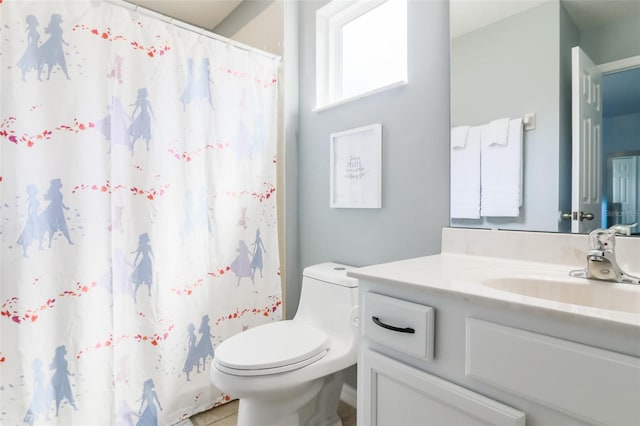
[(474, 275)]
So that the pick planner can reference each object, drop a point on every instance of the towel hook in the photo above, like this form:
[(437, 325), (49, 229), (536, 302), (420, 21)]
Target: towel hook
[(529, 121)]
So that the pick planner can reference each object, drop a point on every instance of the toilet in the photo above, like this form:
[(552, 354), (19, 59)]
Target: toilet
[(289, 373)]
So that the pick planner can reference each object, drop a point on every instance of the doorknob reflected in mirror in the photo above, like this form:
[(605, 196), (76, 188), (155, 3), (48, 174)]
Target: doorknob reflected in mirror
[(586, 216), (574, 216), (564, 216)]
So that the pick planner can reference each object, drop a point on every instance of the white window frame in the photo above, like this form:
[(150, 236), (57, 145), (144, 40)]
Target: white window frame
[(329, 22)]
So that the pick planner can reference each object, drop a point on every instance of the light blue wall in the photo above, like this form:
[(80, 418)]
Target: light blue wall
[(622, 134), (415, 154)]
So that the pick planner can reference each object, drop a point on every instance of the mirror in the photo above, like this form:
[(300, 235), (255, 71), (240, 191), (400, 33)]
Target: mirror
[(513, 58)]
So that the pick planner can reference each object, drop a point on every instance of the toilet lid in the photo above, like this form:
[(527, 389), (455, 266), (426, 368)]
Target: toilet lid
[(271, 348)]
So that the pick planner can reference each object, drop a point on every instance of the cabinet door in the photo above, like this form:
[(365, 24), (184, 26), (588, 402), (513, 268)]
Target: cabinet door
[(394, 394)]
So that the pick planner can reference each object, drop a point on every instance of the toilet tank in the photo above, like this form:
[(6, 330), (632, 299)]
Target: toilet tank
[(329, 298)]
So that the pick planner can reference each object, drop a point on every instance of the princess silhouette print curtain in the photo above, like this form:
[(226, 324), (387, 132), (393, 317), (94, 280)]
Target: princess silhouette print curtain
[(138, 212)]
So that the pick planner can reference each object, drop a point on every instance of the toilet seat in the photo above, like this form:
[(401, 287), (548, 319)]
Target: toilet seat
[(271, 348)]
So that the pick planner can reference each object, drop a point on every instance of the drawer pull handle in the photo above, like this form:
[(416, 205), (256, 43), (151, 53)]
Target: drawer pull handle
[(377, 321)]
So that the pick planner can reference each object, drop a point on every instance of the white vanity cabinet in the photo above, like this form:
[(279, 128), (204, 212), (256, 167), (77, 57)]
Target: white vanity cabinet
[(393, 393), (435, 356)]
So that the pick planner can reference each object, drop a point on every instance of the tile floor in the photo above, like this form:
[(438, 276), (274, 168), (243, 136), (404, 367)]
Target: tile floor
[(227, 415)]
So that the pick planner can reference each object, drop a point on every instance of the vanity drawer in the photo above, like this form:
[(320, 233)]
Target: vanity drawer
[(403, 326)]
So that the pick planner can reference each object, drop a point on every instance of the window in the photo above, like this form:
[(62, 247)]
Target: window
[(361, 48)]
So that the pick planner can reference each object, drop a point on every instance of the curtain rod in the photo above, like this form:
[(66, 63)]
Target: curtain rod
[(181, 24)]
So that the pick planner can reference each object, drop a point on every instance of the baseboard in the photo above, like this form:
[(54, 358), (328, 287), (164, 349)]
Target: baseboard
[(349, 395)]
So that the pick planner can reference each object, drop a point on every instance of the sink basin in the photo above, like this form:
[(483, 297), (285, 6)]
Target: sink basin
[(601, 295)]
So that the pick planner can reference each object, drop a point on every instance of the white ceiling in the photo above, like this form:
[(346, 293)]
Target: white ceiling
[(466, 15), (470, 15), (201, 13), (587, 14)]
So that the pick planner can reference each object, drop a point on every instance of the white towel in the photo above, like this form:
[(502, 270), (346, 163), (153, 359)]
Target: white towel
[(459, 137), (465, 172), (496, 132), (501, 173)]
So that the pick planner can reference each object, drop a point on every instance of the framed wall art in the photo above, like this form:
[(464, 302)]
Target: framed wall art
[(356, 168)]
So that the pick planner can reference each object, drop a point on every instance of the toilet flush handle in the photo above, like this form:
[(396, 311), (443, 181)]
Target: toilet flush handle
[(353, 317)]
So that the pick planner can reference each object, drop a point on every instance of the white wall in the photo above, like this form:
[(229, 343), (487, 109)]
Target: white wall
[(257, 24)]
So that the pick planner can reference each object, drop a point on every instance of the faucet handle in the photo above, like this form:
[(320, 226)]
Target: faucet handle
[(623, 229), (602, 240)]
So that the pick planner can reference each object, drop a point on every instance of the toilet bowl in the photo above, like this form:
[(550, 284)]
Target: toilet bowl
[(289, 373)]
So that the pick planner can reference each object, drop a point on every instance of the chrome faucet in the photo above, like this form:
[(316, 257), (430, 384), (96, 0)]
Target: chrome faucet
[(601, 258)]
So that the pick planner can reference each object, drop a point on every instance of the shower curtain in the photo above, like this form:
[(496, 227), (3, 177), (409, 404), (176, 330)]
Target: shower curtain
[(138, 215)]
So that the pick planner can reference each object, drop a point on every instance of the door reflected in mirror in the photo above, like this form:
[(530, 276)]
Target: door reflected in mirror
[(509, 62), (623, 185)]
